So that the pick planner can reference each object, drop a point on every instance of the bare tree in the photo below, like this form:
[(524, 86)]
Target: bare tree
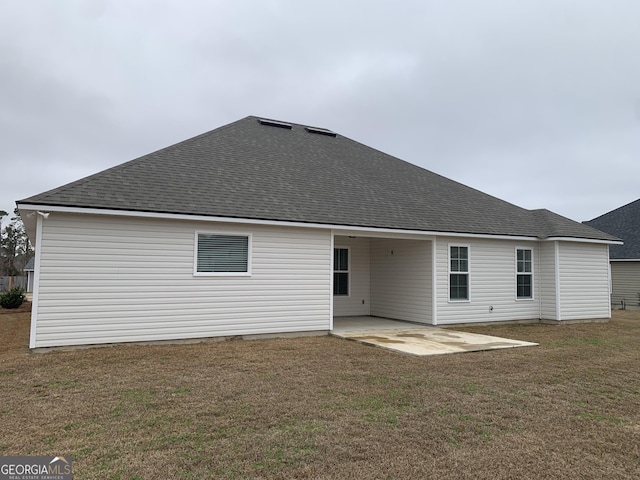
[(15, 248)]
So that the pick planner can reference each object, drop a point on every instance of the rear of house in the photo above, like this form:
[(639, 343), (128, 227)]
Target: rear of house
[(230, 234)]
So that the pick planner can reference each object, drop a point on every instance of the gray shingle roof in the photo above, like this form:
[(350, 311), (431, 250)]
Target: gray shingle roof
[(623, 222), (249, 170)]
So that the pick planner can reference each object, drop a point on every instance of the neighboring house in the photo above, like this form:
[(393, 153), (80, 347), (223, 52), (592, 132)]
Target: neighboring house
[(28, 269), (263, 227), (623, 222)]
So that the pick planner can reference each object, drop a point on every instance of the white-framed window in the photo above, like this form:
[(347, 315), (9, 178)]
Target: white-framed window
[(341, 275), (524, 273), (458, 273), (222, 254)]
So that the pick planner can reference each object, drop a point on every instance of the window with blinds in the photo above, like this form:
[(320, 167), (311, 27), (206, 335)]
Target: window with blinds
[(225, 254)]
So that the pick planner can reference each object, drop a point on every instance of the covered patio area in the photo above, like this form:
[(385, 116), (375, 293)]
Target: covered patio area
[(383, 277)]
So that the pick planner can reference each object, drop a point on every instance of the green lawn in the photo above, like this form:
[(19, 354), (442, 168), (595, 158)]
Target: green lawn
[(323, 407)]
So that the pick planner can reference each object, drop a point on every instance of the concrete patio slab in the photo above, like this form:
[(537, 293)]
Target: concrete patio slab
[(415, 339)]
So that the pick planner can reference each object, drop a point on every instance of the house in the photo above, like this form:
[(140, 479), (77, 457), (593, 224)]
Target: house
[(623, 222), (29, 270), (266, 227)]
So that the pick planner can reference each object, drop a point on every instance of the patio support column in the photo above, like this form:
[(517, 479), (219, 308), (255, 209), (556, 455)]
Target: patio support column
[(331, 282), (434, 282)]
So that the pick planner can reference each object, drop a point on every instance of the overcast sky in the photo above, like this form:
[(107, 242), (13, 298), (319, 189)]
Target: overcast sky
[(536, 102)]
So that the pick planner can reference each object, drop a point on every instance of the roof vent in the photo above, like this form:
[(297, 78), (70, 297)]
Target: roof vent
[(320, 131), (274, 123)]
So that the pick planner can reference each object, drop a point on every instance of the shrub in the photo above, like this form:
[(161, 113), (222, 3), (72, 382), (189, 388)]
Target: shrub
[(13, 298)]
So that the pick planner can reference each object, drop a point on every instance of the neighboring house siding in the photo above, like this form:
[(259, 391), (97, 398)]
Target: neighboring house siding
[(117, 279), (584, 281), (547, 278), (357, 303), (625, 278), (401, 279), (492, 277)]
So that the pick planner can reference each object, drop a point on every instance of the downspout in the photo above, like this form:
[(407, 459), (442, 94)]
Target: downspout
[(36, 280), (556, 246), (609, 278), (538, 280)]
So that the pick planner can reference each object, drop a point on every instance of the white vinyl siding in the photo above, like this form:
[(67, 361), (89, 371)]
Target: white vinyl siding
[(492, 283), (547, 276), (625, 284), (401, 279), (357, 302), (584, 280), (107, 279)]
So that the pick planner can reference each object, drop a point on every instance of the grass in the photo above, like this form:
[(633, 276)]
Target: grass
[(328, 408)]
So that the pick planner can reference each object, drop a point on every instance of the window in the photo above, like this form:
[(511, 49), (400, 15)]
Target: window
[(458, 273), (341, 271), (222, 254), (524, 273)]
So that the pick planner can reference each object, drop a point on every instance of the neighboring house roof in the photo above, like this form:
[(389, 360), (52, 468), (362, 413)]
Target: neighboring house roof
[(252, 170), (29, 267), (623, 222)]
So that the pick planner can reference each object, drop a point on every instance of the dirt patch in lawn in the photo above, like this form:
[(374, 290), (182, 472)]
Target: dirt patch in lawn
[(322, 407), (14, 330), (25, 307)]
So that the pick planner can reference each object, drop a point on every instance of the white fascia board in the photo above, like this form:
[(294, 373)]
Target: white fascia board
[(624, 259), (581, 240), (283, 223)]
